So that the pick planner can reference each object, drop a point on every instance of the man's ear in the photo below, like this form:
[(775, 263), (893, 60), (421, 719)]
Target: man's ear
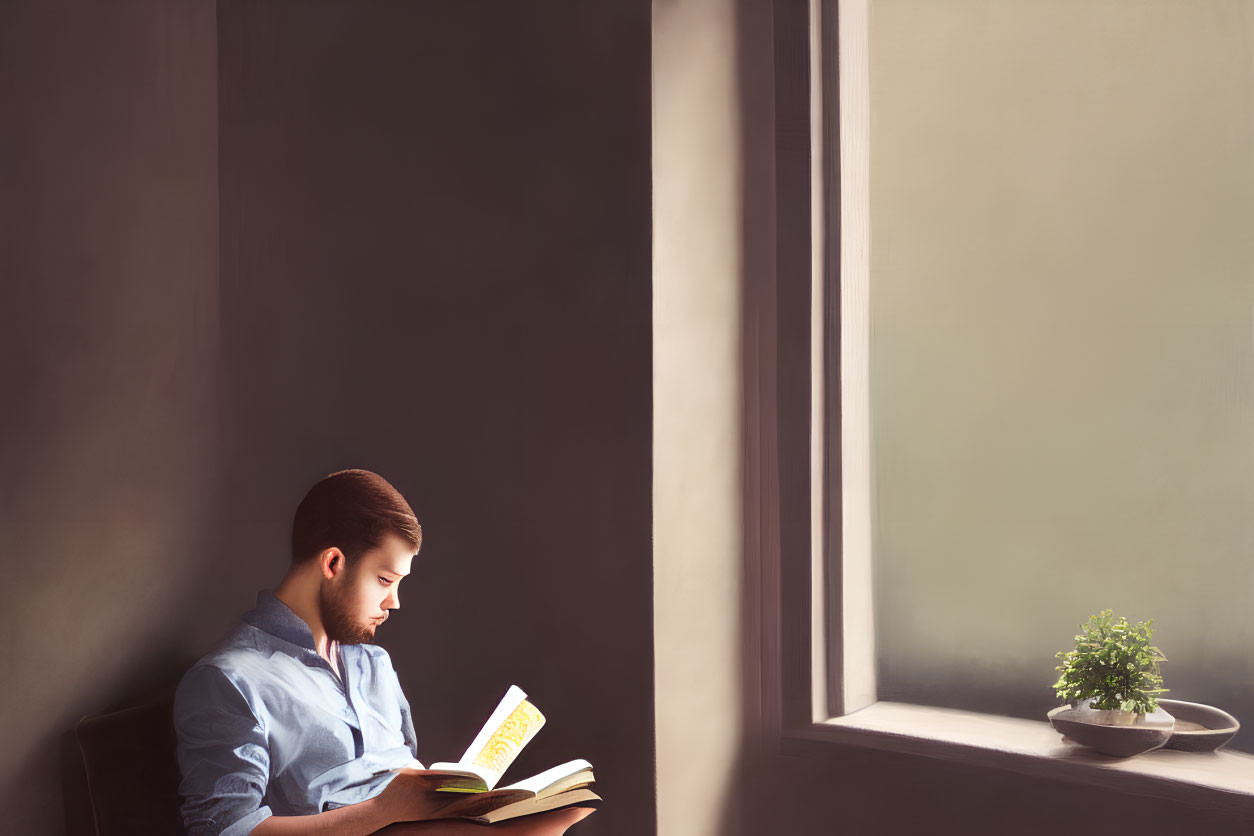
[(331, 562)]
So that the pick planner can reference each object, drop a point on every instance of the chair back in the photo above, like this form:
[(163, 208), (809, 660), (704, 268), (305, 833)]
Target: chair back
[(132, 770)]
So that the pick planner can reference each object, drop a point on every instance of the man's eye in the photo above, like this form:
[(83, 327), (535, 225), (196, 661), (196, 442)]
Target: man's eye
[(384, 581)]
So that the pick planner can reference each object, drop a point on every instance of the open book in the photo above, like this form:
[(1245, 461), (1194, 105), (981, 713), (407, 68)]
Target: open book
[(509, 728)]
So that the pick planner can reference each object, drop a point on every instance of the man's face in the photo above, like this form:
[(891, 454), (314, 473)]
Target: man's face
[(355, 602)]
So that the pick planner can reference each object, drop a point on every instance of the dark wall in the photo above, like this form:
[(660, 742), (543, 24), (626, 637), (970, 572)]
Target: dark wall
[(108, 352), (435, 264)]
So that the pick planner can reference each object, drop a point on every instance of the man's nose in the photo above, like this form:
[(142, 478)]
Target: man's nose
[(393, 601)]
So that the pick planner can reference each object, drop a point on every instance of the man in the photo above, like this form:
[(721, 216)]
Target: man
[(296, 723)]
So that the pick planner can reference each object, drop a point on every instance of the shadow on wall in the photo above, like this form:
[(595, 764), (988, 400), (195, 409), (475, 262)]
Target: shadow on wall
[(203, 609), (108, 252)]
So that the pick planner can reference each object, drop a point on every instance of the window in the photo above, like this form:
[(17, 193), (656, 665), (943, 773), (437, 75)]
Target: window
[(1061, 391), (1062, 374)]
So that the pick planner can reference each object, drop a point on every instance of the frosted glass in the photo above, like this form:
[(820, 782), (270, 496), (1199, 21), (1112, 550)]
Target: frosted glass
[(1062, 342)]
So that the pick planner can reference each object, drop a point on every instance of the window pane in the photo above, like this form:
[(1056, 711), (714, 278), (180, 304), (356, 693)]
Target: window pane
[(1062, 342)]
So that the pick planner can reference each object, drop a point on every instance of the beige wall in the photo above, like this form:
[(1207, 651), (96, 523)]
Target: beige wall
[(696, 413)]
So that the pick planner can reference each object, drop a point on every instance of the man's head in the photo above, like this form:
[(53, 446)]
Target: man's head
[(360, 535)]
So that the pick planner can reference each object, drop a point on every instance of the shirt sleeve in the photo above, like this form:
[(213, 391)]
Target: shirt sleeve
[(222, 756), (407, 718)]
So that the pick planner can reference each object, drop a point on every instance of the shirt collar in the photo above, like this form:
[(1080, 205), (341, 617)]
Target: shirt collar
[(274, 617)]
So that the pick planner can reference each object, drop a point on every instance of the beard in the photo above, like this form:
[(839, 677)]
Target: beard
[(337, 615)]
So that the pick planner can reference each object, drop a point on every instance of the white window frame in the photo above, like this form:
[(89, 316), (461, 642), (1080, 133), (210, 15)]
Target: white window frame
[(808, 502)]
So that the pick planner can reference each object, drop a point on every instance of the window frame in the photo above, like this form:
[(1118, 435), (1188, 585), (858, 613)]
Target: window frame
[(813, 699)]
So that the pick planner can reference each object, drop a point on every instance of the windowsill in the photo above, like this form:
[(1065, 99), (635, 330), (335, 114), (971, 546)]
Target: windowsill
[(1212, 779)]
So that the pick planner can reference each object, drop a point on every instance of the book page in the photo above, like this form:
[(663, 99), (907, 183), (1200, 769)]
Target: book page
[(510, 727), (537, 784), (538, 805), (507, 731), (453, 777), (480, 804)]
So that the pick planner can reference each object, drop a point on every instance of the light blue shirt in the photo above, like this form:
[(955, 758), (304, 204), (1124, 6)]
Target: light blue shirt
[(265, 727)]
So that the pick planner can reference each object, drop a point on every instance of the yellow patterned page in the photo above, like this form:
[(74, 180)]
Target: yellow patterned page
[(509, 738)]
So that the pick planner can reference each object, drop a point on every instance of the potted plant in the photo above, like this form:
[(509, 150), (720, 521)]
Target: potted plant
[(1111, 682)]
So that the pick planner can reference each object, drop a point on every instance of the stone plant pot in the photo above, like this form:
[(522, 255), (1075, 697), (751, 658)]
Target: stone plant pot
[(1199, 728), (1119, 733)]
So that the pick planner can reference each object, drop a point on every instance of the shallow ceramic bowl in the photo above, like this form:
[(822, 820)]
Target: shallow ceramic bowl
[(1120, 741), (1199, 728)]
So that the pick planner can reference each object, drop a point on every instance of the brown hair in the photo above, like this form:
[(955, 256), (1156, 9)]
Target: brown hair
[(351, 510)]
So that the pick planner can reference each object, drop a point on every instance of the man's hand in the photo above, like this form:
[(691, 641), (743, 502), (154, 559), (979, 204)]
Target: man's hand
[(411, 796), (408, 797)]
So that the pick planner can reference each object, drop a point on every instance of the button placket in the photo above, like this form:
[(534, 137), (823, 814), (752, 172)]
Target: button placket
[(359, 731)]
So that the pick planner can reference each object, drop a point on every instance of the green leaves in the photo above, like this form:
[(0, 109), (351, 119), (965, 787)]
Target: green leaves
[(1113, 664)]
